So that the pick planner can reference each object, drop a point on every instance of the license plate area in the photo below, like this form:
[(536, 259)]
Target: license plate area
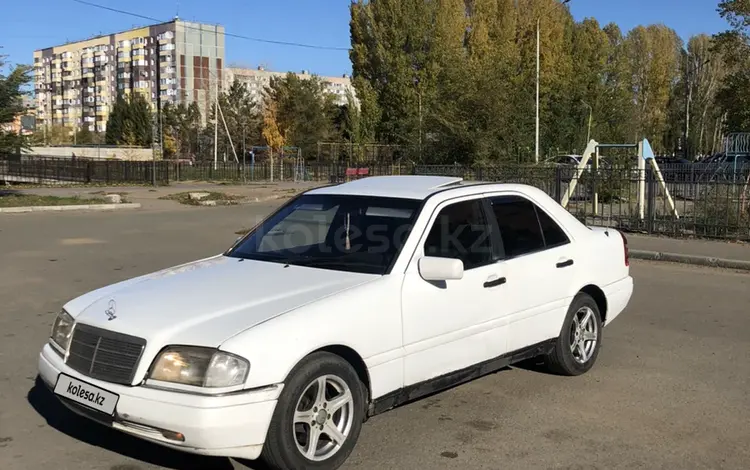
[(87, 395)]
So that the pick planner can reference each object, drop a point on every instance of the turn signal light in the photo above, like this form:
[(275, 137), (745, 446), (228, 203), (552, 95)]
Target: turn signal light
[(173, 436)]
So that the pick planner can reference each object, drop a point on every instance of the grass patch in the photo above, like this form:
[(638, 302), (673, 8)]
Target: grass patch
[(27, 200), (220, 198)]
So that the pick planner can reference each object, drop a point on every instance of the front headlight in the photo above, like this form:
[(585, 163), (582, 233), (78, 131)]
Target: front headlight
[(199, 367), (62, 330)]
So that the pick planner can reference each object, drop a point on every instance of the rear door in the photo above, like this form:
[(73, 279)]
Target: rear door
[(539, 265)]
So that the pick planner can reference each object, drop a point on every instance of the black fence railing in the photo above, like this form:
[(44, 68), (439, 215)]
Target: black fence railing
[(49, 170), (706, 200)]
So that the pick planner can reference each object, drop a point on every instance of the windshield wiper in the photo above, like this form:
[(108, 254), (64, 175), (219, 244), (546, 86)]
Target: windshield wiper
[(340, 260)]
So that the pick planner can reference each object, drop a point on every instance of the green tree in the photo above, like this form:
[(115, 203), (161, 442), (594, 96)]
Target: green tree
[(116, 122), (11, 92), (733, 96), (130, 122), (181, 127), (304, 111)]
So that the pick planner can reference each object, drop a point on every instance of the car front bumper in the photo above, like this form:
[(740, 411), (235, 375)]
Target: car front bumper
[(232, 425)]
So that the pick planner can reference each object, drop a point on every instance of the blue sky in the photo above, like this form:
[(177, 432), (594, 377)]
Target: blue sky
[(35, 24)]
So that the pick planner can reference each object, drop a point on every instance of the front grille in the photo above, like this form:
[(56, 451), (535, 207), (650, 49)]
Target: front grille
[(105, 355)]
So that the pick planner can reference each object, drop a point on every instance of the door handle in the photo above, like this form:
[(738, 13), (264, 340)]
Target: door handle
[(565, 264), (495, 282)]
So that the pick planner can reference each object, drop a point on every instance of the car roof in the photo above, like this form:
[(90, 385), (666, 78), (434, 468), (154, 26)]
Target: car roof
[(411, 186), (401, 186)]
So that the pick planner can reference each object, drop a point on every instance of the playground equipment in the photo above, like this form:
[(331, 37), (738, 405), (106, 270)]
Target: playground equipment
[(294, 153), (645, 154)]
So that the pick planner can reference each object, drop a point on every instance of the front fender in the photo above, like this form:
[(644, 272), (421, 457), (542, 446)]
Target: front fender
[(366, 319)]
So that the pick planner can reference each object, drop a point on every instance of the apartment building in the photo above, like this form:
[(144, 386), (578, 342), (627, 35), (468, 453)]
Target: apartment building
[(258, 79), (76, 84)]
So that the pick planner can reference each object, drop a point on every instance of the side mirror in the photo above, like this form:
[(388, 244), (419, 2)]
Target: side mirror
[(441, 269)]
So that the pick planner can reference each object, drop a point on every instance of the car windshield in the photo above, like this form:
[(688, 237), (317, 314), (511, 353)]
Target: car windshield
[(349, 233)]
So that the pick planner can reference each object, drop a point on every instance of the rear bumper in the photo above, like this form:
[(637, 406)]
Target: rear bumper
[(233, 425), (618, 296)]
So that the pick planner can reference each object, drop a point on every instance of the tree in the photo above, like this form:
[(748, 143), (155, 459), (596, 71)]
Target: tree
[(116, 122), (271, 130), (701, 76), (181, 127), (130, 122), (241, 115), (302, 110), (652, 56), (11, 92), (85, 137), (734, 93)]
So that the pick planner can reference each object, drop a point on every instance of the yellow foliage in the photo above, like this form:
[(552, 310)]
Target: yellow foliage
[(271, 132)]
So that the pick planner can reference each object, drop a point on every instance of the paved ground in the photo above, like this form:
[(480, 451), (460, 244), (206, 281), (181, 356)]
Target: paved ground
[(148, 196), (669, 391), (717, 249)]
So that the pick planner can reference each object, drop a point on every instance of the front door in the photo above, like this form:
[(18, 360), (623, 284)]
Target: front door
[(453, 324)]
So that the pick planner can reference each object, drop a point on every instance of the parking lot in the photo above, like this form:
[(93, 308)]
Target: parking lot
[(670, 390)]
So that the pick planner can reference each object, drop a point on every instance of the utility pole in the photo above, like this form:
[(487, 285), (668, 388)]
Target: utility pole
[(536, 147), (244, 150), (420, 125), (216, 123), (688, 99), (591, 112)]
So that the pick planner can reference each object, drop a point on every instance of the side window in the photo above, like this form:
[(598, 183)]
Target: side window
[(461, 231), (519, 226), (553, 234), (525, 228)]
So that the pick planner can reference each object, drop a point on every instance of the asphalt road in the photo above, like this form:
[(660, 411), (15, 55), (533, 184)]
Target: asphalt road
[(669, 390)]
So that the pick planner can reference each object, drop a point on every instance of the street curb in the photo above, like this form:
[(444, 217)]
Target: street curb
[(691, 259), (90, 207), (269, 198)]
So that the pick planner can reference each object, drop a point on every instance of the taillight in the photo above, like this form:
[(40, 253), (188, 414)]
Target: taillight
[(625, 248)]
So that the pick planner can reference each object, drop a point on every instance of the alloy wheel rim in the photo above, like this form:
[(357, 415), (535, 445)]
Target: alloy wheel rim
[(584, 335), (323, 417)]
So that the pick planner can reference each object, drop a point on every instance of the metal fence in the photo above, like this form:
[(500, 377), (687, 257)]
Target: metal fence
[(51, 170), (710, 200)]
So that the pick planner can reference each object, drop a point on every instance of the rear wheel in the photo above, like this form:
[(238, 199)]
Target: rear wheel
[(578, 346), (319, 415)]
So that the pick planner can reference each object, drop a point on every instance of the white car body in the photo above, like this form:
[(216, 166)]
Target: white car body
[(401, 332)]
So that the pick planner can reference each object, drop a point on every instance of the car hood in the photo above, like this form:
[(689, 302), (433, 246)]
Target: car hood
[(207, 301)]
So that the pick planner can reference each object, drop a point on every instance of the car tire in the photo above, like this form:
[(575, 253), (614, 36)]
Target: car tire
[(303, 414), (578, 345)]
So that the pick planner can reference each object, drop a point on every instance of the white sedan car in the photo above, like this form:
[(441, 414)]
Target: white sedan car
[(344, 303)]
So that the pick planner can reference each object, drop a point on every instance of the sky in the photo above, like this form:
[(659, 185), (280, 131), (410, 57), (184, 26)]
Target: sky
[(29, 25)]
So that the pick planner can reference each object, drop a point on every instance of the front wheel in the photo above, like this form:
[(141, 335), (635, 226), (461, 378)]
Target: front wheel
[(579, 342), (318, 417)]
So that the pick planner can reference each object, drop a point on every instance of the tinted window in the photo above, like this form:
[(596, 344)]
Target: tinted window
[(461, 231), (553, 234), (519, 226), (348, 233)]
